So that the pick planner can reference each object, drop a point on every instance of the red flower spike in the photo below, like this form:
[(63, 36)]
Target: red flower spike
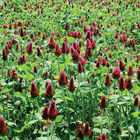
[(45, 113), (74, 54), (3, 127), (80, 67), (9, 72), (63, 79), (4, 54), (108, 82), (35, 69), (29, 48), (4, 26), (49, 91), (99, 138), (136, 101), (103, 102), (128, 83), (14, 75), (34, 90), (57, 50), (71, 86), (104, 137), (67, 26), (7, 95), (86, 130), (79, 131), (116, 73), (121, 83), (122, 65), (39, 53), (52, 42), (130, 70), (52, 112), (82, 60)]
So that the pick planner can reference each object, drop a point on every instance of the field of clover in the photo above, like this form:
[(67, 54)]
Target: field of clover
[(70, 70)]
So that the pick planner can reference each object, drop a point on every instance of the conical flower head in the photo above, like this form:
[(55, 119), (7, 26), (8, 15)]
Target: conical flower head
[(52, 112), (116, 73), (3, 127), (103, 102), (49, 91), (86, 130), (71, 85), (63, 79), (121, 83), (45, 113), (108, 82), (52, 42), (34, 90)]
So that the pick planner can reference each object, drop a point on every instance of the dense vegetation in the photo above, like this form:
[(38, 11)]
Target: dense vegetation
[(70, 69)]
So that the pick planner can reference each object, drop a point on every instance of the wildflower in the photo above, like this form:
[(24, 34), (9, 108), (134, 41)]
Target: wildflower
[(45, 113), (103, 102), (121, 83), (34, 90), (49, 91), (116, 73), (3, 127), (71, 86), (52, 112), (63, 79), (108, 82)]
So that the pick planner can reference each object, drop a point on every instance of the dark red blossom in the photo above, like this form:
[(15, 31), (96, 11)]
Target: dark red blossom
[(121, 83), (34, 90), (80, 67), (71, 86), (104, 137), (29, 48), (9, 72), (103, 102), (52, 42), (108, 82), (122, 65), (65, 47), (128, 83), (86, 130), (74, 54), (79, 131), (89, 34), (98, 64), (116, 73), (35, 69), (82, 60), (45, 113), (4, 54), (4, 26), (14, 74), (39, 53), (63, 79), (130, 70), (67, 26), (9, 44), (7, 96), (99, 138), (3, 127), (57, 50), (136, 100), (104, 62), (132, 42), (52, 112), (49, 91)]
